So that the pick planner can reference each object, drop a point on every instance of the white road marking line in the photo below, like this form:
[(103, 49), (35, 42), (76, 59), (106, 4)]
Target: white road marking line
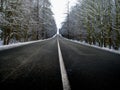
[(65, 81)]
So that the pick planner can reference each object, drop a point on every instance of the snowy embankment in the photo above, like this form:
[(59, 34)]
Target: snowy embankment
[(4, 47), (94, 46)]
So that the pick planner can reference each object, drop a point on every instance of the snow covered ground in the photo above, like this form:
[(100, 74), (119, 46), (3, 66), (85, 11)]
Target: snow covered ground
[(102, 48), (4, 47)]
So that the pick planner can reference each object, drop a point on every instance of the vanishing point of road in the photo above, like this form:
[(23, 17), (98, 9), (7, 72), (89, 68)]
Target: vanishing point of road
[(58, 64)]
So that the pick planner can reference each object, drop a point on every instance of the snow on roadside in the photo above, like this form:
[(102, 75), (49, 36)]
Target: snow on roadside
[(102, 48), (5, 47)]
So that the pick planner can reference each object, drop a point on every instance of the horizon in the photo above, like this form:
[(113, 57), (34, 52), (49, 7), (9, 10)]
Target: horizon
[(59, 9)]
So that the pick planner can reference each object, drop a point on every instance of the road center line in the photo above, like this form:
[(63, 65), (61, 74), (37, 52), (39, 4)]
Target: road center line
[(65, 81)]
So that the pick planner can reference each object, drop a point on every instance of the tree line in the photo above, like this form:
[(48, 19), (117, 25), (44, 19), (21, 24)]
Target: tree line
[(95, 22), (26, 20)]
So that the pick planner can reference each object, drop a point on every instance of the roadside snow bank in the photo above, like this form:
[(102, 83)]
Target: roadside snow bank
[(102, 48), (4, 47)]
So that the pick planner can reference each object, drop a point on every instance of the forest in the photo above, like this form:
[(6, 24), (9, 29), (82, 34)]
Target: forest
[(95, 22), (26, 20)]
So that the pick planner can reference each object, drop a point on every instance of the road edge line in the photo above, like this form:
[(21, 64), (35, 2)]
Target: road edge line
[(65, 81)]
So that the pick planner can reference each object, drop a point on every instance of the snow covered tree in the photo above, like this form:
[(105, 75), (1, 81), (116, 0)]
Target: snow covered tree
[(25, 20), (96, 22)]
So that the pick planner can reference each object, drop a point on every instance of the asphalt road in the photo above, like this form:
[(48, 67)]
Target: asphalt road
[(31, 67), (36, 67), (89, 68)]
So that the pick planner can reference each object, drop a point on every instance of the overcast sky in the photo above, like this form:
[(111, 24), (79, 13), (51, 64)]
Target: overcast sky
[(59, 8)]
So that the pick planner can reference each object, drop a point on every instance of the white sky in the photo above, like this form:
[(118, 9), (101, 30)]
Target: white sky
[(59, 7)]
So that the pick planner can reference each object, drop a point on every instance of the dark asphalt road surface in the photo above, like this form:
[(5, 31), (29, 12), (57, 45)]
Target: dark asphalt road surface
[(36, 67), (89, 68), (31, 67)]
